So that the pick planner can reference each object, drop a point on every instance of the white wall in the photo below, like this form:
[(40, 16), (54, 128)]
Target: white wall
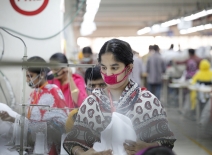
[(68, 34), (42, 25)]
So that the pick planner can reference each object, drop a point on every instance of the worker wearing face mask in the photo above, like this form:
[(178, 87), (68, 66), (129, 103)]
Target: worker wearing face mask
[(87, 59), (43, 94), (124, 97), (71, 84)]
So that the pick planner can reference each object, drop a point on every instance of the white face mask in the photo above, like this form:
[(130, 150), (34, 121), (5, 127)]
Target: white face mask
[(86, 60), (31, 82)]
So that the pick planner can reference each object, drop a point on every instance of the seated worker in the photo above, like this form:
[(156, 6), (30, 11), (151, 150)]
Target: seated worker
[(6, 126), (86, 59), (72, 85), (43, 94), (93, 80), (122, 96), (203, 76)]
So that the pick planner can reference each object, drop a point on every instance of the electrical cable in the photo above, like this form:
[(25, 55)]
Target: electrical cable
[(3, 46), (11, 101), (52, 36), (13, 36), (4, 94)]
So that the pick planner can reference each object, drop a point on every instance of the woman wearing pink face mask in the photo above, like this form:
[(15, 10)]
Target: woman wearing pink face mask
[(123, 96)]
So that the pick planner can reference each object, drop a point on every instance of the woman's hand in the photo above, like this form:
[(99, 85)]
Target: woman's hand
[(91, 151), (132, 147), (70, 72), (6, 117), (66, 71)]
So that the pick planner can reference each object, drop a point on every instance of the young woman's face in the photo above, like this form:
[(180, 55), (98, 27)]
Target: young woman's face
[(35, 78), (110, 66)]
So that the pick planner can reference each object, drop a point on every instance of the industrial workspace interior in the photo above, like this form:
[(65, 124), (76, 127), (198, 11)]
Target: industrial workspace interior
[(106, 77)]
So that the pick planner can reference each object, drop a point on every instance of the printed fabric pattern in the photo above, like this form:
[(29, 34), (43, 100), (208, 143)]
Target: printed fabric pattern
[(143, 108)]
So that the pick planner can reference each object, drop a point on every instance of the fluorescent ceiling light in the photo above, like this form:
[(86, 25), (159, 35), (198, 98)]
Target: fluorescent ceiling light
[(154, 29), (89, 17), (87, 28), (200, 28), (157, 28), (187, 18), (195, 29), (208, 26), (92, 8), (143, 31), (196, 15), (209, 11), (170, 23), (91, 2), (88, 25), (182, 23)]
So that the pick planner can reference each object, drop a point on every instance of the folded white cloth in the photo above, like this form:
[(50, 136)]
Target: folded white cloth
[(115, 134), (5, 126), (4, 107)]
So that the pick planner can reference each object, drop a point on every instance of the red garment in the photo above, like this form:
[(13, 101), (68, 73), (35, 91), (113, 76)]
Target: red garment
[(79, 81), (52, 96), (48, 95)]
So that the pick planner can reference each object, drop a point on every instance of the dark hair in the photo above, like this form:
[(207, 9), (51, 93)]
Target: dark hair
[(121, 51), (59, 57), (172, 46), (93, 74), (156, 48), (160, 150), (87, 50), (151, 47), (191, 51), (39, 70)]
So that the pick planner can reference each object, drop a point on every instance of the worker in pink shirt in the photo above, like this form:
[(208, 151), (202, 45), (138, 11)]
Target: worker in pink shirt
[(72, 85)]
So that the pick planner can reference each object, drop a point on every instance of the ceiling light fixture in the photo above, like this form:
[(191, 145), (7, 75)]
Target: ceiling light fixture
[(157, 28), (88, 25), (170, 23), (195, 29), (183, 21), (144, 31), (208, 26), (198, 15)]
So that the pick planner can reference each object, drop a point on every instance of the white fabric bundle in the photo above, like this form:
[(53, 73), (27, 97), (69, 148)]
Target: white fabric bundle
[(4, 107), (5, 126), (115, 134), (6, 131)]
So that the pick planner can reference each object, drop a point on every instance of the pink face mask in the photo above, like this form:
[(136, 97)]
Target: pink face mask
[(112, 79)]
